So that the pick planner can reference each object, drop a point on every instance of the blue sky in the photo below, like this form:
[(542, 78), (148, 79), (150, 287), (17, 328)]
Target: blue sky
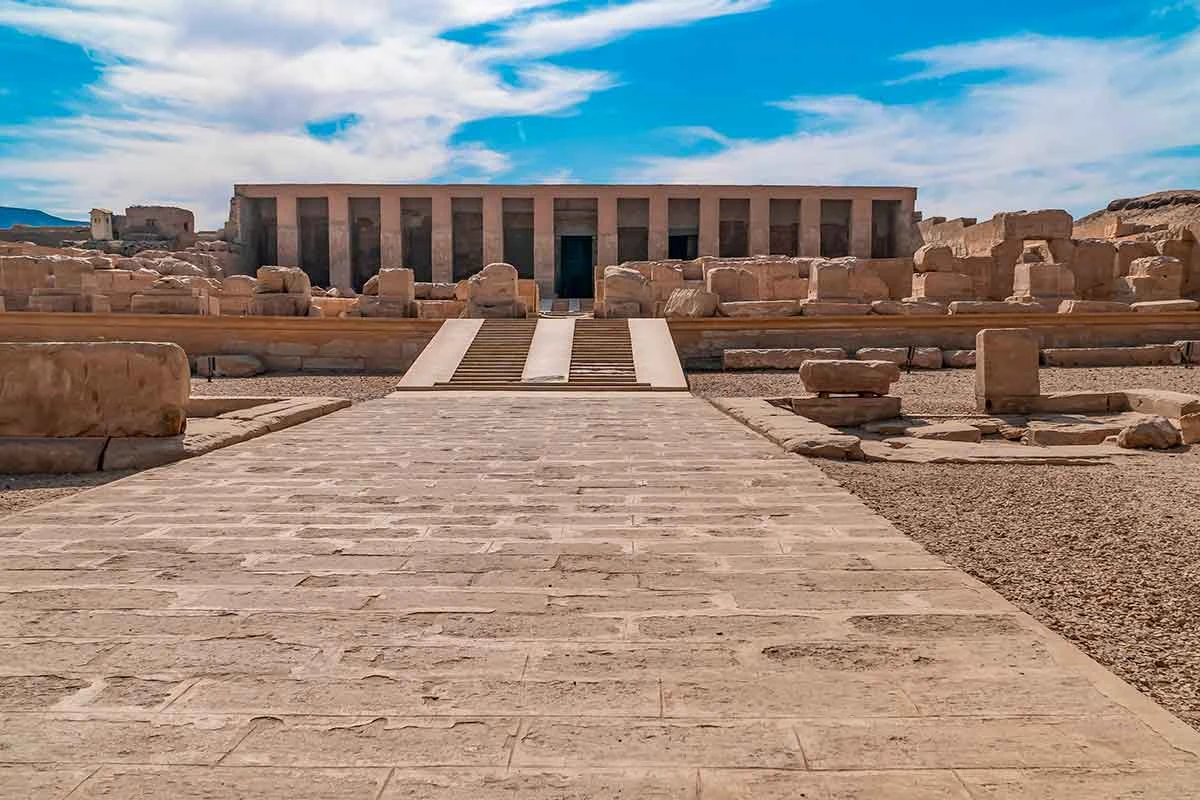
[(1057, 103)]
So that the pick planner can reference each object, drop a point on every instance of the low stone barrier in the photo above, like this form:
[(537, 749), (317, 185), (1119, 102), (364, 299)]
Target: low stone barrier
[(1153, 355), (101, 389)]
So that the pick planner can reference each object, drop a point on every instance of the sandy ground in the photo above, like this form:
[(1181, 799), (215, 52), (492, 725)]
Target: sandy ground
[(952, 391), (1108, 556), (22, 491)]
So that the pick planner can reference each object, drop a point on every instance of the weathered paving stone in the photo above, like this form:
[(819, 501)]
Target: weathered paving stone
[(347, 742), (262, 783), (548, 597)]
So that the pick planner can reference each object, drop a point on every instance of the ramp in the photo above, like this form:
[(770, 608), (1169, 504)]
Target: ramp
[(549, 355)]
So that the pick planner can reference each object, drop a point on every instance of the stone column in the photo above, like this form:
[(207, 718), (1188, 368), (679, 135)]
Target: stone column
[(760, 225), (860, 227), (493, 228), (606, 230), (543, 242), (339, 241), (659, 225), (391, 231), (810, 227), (443, 238), (287, 226), (710, 225)]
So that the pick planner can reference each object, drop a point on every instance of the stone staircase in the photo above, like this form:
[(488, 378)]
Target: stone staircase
[(602, 356), (496, 357)]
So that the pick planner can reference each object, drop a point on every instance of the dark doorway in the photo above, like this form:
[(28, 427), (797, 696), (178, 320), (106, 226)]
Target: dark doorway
[(575, 278), (313, 214), (682, 247)]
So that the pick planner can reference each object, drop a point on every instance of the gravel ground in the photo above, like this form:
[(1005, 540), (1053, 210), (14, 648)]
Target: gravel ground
[(952, 391), (1108, 556), (352, 387)]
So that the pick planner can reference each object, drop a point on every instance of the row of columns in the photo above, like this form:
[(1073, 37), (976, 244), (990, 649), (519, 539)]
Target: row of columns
[(391, 236)]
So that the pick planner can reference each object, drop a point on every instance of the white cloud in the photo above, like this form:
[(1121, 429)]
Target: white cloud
[(1071, 122), (195, 96)]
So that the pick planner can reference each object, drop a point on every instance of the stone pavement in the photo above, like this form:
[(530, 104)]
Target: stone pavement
[(534, 596)]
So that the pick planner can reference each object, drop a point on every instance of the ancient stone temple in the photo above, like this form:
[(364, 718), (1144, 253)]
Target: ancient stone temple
[(341, 234)]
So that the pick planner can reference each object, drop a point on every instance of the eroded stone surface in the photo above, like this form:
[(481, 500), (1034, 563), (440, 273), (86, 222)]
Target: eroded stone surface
[(541, 597)]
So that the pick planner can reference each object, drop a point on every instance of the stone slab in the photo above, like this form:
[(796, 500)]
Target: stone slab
[(783, 358), (1150, 355), (841, 412), (442, 355), (655, 360), (549, 357)]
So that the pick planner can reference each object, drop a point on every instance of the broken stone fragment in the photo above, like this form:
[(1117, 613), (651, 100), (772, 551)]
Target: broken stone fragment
[(1153, 433), (849, 377)]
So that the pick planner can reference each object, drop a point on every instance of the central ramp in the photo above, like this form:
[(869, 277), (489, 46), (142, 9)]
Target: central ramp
[(549, 355)]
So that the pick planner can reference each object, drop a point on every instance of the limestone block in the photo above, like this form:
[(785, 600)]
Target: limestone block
[(283, 280), (1164, 268), (1001, 307), (943, 287), (238, 286), (72, 273), (935, 258), (1190, 349), (623, 286), (845, 280), (430, 291), (228, 366), (780, 358), (371, 287), (947, 432), (1143, 356), (760, 308), (909, 308), (1052, 434), (175, 266), (1042, 281), (958, 359), (1189, 426), (39, 455), (184, 304), (819, 308), (731, 284), (847, 412), (1092, 307), (981, 269), (43, 302), (1045, 224), (397, 284), (386, 307), (1006, 371), (664, 280), (236, 305), (848, 377), (1082, 403), (1153, 433), (922, 357), (789, 289), (691, 303), (627, 309), (440, 309), (1165, 306), (93, 389), (1162, 403), (330, 307), (1092, 264), (280, 305), (1130, 251)]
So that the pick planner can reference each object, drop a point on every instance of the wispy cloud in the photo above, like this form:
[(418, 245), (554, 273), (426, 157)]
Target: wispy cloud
[(195, 96), (1068, 122)]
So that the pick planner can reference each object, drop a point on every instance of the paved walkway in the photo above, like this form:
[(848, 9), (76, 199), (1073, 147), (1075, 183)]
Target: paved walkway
[(534, 596)]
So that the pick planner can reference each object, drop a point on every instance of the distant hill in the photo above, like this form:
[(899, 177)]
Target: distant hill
[(29, 216), (1175, 207)]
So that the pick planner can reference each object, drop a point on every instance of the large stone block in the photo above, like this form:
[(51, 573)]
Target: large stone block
[(440, 309), (397, 284), (1006, 370), (909, 308), (846, 281), (283, 280), (280, 305), (760, 308), (935, 258), (848, 377), (183, 304), (1044, 224), (228, 366), (1092, 307), (1143, 356), (779, 358), (93, 389), (731, 284), (386, 307), (943, 287), (1093, 264), (691, 303), (624, 286), (922, 357), (1037, 281), (1130, 251), (846, 411)]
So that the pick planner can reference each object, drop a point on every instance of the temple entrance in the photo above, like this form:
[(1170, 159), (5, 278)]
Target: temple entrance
[(576, 265)]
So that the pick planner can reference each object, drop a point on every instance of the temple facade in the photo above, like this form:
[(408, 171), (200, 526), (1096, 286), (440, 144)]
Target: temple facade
[(342, 234)]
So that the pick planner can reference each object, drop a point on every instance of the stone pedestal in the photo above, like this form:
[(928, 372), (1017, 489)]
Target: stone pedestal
[(1006, 370)]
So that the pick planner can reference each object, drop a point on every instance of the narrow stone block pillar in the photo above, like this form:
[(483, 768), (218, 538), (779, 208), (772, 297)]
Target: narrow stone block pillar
[(810, 227), (860, 228), (606, 231), (287, 227), (710, 226), (1006, 370), (760, 225), (659, 227), (391, 231), (543, 243), (339, 241), (443, 238), (493, 228)]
